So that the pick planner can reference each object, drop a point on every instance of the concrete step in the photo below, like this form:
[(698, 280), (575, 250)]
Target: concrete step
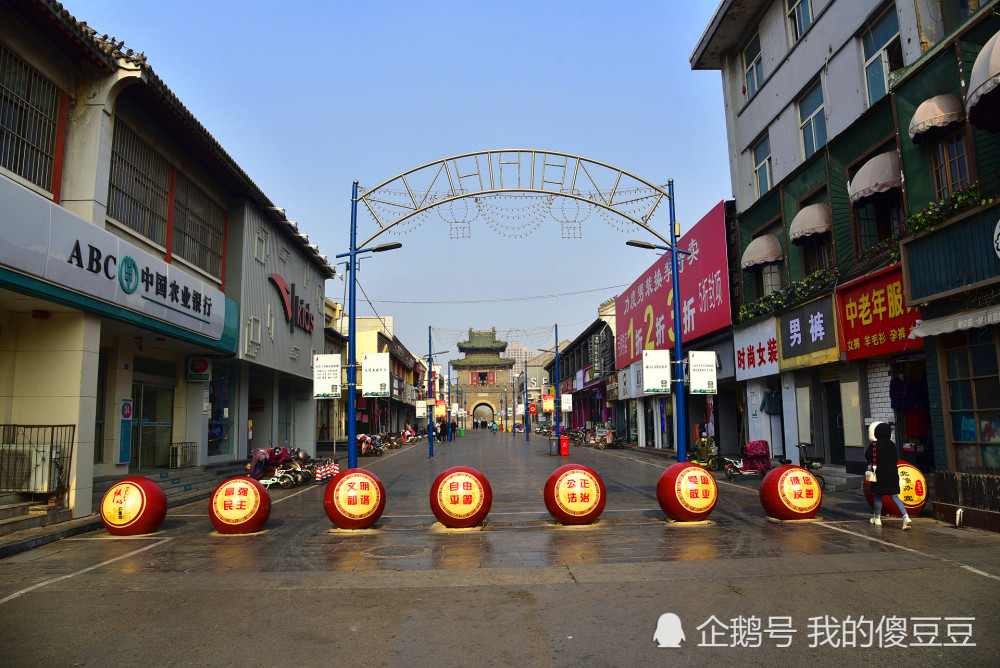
[(16, 509), (837, 481), (9, 526), (175, 482)]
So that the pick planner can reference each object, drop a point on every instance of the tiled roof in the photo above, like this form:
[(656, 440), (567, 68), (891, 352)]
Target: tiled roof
[(482, 341), (483, 361)]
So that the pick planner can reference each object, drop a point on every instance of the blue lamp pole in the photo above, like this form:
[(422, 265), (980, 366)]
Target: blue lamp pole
[(449, 402), (432, 392), (352, 348), (678, 351), (558, 406)]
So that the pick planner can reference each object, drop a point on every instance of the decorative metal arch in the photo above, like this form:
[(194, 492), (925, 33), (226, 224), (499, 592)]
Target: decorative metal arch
[(508, 172)]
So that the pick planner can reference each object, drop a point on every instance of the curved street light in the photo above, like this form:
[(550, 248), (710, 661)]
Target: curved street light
[(679, 396)]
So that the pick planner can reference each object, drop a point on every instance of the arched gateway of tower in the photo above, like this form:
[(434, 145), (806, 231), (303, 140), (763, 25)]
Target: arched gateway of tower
[(484, 378)]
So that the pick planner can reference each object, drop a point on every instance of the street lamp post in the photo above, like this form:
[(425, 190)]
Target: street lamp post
[(352, 347), (678, 351), (448, 412), (433, 392)]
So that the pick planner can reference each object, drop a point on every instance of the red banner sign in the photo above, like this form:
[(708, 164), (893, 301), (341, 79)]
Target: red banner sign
[(874, 319), (644, 312)]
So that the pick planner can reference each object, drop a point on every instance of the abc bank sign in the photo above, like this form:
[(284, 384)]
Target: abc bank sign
[(63, 249)]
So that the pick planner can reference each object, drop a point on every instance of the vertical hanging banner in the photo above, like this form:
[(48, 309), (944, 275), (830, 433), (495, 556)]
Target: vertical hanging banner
[(375, 375), (440, 408), (326, 376), (644, 312), (701, 372), (656, 372), (548, 403), (421, 408), (566, 400)]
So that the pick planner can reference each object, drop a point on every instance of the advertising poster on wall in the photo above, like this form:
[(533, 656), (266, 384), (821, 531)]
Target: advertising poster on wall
[(375, 375), (326, 376), (656, 372), (644, 312), (874, 317), (701, 370)]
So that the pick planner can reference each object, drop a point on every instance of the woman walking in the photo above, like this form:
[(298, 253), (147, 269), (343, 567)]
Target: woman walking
[(881, 454)]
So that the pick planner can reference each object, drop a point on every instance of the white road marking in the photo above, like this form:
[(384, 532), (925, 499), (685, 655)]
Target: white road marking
[(82, 571), (910, 549)]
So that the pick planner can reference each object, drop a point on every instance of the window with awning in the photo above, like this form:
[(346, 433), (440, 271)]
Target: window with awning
[(982, 101)]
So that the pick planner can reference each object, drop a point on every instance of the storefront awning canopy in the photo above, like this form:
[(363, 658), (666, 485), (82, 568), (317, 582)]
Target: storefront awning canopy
[(936, 112), (812, 219), (765, 248), (878, 175), (955, 322), (982, 102)]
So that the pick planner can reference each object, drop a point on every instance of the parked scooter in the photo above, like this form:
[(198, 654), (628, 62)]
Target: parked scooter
[(811, 464), (369, 445), (756, 460), (705, 453)]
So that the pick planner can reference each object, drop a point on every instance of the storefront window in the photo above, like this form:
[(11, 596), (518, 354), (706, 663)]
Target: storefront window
[(222, 401), (973, 385)]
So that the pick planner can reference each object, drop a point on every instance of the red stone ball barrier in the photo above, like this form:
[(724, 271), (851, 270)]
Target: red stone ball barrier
[(133, 506), (354, 499), (912, 491), (239, 505), (461, 497), (687, 492), (790, 493), (575, 494)]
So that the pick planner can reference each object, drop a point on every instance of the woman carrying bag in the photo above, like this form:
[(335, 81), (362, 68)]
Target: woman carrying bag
[(881, 455)]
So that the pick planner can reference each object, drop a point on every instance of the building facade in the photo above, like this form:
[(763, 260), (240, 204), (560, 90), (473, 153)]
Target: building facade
[(151, 296)]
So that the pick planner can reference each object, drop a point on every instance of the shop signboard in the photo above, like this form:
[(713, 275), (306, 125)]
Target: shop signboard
[(74, 254), (756, 348), (326, 376), (701, 372), (548, 403), (644, 312), (375, 375), (874, 318), (808, 335), (656, 372), (199, 369)]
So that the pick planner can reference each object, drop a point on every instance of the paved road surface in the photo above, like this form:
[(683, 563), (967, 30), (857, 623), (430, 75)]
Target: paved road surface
[(519, 590)]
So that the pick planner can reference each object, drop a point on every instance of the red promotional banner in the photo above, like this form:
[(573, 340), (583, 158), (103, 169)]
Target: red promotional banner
[(644, 313), (874, 319)]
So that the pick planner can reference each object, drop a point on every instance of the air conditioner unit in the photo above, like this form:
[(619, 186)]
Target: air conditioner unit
[(27, 468)]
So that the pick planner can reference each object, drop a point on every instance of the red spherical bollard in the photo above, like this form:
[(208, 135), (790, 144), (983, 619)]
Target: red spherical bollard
[(461, 497), (239, 505), (133, 506), (354, 499), (912, 491), (687, 492), (790, 493), (575, 494)]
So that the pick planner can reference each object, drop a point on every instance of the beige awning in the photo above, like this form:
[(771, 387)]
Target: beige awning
[(812, 219), (878, 175), (765, 248), (982, 102), (937, 112), (955, 322)]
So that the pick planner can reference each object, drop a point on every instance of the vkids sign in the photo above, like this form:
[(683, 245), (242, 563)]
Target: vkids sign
[(644, 312), (874, 319)]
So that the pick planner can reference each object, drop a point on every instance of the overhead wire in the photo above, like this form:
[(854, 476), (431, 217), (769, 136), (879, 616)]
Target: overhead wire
[(502, 299)]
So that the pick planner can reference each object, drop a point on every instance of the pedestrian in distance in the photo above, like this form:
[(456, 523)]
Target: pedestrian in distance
[(882, 455)]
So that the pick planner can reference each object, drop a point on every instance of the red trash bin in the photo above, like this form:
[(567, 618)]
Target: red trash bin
[(564, 445)]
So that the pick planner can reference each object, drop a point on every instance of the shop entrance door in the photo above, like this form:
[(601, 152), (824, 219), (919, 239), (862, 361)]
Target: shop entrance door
[(152, 426), (835, 422)]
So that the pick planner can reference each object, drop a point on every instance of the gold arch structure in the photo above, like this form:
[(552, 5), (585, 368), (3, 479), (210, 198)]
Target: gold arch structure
[(512, 171)]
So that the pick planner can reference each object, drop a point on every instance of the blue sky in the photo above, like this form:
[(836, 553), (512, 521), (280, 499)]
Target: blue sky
[(309, 96)]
